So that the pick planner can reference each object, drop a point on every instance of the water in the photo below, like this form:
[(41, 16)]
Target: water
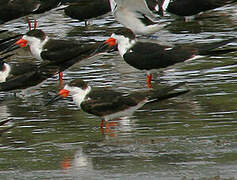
[(191, 136)]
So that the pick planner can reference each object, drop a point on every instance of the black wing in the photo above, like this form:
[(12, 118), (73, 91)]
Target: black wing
[(61, 50), (84, 10), (46, 6), (146, 56), (28, 77), (106, 102), (21, 68), (20, 82), (191, 7)]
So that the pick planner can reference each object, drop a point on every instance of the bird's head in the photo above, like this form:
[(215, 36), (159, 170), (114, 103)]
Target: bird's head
[(77, 88), (121, 37), (35, 36)]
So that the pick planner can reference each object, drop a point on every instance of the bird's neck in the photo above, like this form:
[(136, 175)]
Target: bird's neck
[(124, 46), (80, 96), (5, 73), (37, 47)]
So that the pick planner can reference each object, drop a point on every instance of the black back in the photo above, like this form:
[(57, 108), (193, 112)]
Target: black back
[(104, 101), (87, 10), (25, 75), (192, 7), (146, 56), (60, 51)]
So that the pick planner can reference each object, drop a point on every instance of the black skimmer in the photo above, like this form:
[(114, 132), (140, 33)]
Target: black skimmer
[(57, 52), (85, 10), (13, 9), (8, 44), (149, 56), (135, 15), (44, 6), (189, 8), (109, 104), (27, 75), (24, 75)]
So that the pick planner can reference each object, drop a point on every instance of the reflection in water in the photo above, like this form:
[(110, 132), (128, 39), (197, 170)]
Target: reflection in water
[(117, 126), (80, 161), (6, 122), (192, 136), (4, 114)]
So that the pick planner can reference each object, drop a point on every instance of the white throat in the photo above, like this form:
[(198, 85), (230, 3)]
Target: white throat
[(124, 43), (4, 74), (125, 46), (79, 95), (36, 46)]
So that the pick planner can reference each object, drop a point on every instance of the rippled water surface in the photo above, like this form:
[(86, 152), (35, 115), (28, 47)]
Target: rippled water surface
[(191, 136)]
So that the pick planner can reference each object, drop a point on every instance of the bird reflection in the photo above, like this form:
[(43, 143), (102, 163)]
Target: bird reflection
[(79, 162), (109, 104), (5, 120)]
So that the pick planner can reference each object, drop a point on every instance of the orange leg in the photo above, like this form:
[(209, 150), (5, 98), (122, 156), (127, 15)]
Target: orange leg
[(102, 123), (107, 127), (148, 80), (29, 23), (61, 80), (35, 23)]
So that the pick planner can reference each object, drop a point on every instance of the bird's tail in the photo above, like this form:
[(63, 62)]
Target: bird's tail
[(165, 93), (208, 49)]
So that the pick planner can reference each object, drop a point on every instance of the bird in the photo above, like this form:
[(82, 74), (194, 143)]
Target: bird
[(189, 8), (85, 10), (8, 44), (56, 51), (150, 56), (24, 75), (109, 104), (13, 9), (28, 75), (135, 15), (45, 6)]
